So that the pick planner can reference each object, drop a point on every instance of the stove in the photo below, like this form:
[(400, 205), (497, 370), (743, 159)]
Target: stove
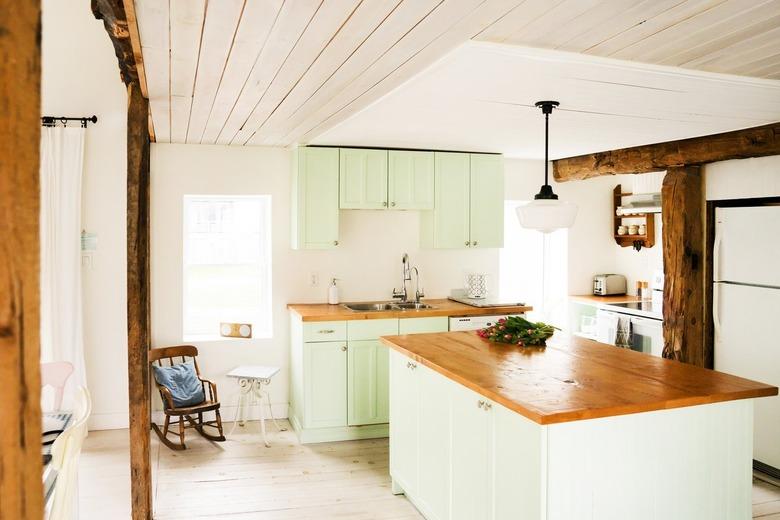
[(644, 309)]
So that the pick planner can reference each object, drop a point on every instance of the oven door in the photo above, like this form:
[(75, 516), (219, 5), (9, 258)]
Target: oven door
[(647, 335)]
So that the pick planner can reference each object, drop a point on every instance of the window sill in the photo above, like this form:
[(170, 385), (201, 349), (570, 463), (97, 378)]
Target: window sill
[(215, 338)]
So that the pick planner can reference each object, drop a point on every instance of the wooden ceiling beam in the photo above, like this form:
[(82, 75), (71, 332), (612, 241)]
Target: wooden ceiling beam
[(758, 141), (114, 17)]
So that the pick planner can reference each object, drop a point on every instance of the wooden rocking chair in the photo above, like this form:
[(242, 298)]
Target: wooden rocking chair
[(172, 354)]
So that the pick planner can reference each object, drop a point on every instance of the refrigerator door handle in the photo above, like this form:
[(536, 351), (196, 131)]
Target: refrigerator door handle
[(716, 310), (716, 251)]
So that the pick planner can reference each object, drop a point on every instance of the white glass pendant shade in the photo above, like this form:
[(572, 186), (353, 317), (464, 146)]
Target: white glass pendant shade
[(547, 215)]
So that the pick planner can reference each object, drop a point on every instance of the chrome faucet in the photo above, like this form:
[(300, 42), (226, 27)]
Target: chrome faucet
[(417, 292), (407, 277)]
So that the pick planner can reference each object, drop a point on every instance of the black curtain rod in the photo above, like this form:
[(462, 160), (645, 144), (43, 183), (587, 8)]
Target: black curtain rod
[(52, 120)]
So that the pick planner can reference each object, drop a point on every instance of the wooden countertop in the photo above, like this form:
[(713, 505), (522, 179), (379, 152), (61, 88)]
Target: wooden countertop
[(592, 298), (582, 379), (443, 307)]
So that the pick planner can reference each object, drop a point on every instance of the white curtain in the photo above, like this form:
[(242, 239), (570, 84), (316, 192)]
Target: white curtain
[(62, 158)]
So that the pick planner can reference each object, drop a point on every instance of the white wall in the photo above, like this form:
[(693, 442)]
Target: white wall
[(367, 261), (592, 249), (743, 178), (81, 78)]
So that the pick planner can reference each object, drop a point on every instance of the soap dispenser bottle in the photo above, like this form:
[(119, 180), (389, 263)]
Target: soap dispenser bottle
[(333, 292)]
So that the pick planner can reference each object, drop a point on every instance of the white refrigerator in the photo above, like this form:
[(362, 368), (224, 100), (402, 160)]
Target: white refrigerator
[(746, 311)]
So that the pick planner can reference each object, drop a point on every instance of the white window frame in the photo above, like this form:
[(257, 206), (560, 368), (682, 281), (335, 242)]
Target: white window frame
[(264, 332)]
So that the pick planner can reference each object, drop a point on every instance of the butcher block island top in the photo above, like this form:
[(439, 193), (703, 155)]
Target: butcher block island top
[(576, 380), (443, 307)]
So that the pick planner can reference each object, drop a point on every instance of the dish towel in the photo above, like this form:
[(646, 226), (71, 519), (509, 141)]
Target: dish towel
[(623, 332)]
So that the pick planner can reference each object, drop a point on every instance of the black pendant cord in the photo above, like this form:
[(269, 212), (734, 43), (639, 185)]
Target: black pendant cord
[(546, 192), (546, 146)]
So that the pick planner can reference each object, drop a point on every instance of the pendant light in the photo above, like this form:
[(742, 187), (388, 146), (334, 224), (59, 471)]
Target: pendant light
[(546, 213)]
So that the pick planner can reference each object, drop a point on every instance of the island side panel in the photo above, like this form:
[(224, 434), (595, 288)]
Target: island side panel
[(691, 463)]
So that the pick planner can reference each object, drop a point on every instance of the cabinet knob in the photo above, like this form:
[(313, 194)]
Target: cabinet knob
[(343, 348), (384, 204), (488, 406), (467, 242), (474, 243), (335, 242), (480, 403), (411, 365), (326, 331), (392, 204)]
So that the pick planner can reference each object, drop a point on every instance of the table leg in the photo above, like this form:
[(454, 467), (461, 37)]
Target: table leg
[(245, 386), (271, 412), (258, 393)]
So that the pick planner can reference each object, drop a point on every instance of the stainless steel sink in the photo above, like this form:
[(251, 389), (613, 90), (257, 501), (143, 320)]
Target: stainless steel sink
[(375, 307), (387, 306), (413, 306)]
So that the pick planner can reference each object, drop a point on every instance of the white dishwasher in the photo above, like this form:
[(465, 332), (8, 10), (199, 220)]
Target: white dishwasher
[(475, 322)]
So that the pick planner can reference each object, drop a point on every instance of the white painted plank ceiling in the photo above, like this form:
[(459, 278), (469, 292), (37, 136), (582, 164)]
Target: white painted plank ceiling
[(605, 104), (279, 72)]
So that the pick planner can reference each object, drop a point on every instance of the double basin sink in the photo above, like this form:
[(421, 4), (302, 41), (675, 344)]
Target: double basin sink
[(388, 306)]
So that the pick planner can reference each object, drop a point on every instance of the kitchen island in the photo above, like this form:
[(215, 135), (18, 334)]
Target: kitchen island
[(579, 429)]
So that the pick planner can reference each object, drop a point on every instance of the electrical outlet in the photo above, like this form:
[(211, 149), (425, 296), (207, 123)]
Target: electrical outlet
[(314, 280)]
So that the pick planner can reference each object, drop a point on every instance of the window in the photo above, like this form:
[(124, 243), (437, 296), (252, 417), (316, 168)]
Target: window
[(533, 268), (227, 264)]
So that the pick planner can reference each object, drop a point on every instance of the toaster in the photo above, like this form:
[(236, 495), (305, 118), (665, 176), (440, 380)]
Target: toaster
[(607, 284)]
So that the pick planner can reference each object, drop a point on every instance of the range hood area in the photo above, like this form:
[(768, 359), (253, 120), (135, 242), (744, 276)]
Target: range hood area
[(645, 196)]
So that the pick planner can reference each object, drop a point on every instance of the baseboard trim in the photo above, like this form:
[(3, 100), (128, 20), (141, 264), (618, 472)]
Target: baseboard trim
[(341, 433), (119, 420)]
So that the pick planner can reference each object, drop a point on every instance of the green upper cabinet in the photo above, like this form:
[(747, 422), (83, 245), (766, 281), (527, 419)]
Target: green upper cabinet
[(362, 178), (410, 179), (469, 209), (487, 200), (315, 198), (447, 226)]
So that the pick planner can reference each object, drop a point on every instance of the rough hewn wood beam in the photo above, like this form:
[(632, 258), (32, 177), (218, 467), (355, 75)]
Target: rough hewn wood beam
[(683, 252), (115, 20), (21, 490), (138, 308), (114, 17), (740, 144)]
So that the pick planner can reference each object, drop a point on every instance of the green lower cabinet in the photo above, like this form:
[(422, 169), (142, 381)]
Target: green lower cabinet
[(325, 384), (404, 423), (367, 385), (433, 488), (471, 429)]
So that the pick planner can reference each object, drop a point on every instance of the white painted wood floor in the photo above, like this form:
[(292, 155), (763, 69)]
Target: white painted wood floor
[(241, 478)]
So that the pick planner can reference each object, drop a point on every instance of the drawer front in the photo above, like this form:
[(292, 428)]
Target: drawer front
[(422, 325), (325, 331), (371, 329)]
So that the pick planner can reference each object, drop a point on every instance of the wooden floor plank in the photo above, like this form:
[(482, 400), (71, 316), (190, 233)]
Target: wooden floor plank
[(242, 479)]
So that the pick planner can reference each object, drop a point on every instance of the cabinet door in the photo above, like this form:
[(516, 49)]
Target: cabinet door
[(471, 431), (363, 179), (487, 200), (316, 195), (367, 386), (325, 384), (433, 489), (516, 465), (410, 180), (423, 325), (447, 226), (404, 422)]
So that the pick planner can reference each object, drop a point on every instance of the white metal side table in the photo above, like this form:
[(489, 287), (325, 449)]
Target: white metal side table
[(251, 382)]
